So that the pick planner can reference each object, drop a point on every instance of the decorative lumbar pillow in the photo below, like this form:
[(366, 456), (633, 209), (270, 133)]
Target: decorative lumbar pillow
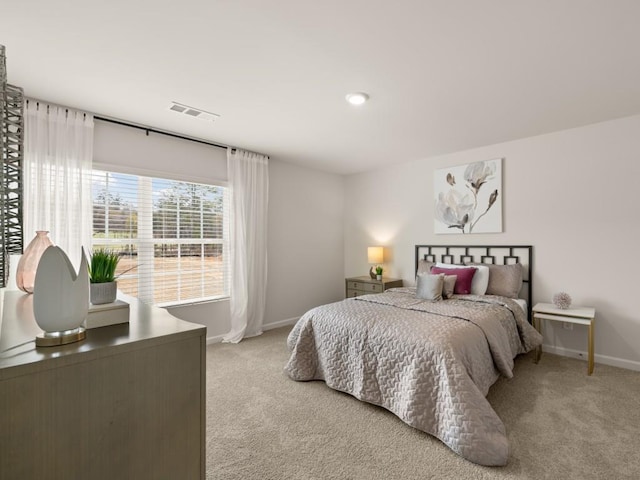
[(424, 266), (449, 285), (505, 280), (480, 279), (463, 282), (429, 287)]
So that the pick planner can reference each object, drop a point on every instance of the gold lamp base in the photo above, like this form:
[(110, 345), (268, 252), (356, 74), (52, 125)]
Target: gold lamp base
[(53, 339)]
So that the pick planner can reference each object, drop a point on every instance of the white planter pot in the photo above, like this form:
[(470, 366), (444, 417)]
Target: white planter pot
[(103, 292), (378, 277)]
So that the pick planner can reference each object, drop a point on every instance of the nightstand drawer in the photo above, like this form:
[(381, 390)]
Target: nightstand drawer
[(365, 287), (357, 286)]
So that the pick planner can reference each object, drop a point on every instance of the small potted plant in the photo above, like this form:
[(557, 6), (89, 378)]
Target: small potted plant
[(379, 272), (102, 276)]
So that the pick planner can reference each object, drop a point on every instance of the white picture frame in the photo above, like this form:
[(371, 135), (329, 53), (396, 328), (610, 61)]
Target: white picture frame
[(468, 198)]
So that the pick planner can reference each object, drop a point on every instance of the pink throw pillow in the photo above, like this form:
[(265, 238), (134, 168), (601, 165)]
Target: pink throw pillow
[(463, 282)]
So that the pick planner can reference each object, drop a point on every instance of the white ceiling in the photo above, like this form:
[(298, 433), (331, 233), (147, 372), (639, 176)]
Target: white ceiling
[(443, 75)]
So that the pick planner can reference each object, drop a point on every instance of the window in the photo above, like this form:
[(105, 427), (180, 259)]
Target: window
[(172, 236)]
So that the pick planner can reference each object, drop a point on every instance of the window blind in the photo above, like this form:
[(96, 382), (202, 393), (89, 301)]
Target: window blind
[(172, 236)]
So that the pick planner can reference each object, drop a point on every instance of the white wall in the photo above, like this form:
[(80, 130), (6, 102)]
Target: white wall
[(570, 194), (306, 234), (306, 228)]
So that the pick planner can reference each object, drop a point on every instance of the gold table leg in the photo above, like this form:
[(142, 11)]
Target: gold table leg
[(591, 363), (537, 324)]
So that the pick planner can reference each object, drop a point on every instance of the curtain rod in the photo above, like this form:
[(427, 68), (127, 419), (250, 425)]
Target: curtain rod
[(153, 130), (139, 127)]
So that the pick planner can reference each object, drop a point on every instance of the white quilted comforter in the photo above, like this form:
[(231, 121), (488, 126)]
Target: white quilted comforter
[(430, 363)]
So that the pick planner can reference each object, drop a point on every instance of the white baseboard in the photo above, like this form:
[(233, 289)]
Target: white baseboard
[(604, 359), (214, 339), (280, 323), (265, 327)]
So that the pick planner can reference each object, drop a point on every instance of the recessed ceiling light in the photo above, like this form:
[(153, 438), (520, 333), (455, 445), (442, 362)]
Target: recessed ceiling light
[(357, 98)]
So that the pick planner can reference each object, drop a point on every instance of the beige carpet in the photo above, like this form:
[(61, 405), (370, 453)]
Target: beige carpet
[(561, 424)]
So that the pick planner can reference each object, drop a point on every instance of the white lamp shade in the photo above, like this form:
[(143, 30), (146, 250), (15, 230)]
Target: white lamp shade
[(375, 255)]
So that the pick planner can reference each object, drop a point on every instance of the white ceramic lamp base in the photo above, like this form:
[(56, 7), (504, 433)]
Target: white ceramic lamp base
[(60, 298)]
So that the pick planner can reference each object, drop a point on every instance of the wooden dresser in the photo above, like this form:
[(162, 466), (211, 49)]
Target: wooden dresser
[(127, 402), (355, 286)]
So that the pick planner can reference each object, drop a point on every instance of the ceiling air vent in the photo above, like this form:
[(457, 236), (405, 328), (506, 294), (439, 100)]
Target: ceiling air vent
[(193, 112)]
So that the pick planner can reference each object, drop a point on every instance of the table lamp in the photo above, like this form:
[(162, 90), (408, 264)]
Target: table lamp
[(375, 256)]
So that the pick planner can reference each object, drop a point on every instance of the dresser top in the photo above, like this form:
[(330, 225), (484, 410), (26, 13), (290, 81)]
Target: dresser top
[(148, 325)]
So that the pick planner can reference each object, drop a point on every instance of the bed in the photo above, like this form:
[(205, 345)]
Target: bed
[(431, 363)]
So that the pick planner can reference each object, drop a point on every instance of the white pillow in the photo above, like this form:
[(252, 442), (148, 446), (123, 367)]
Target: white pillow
[(480, 280)]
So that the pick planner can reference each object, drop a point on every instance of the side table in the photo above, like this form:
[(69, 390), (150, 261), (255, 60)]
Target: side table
[(356, 286), (579, 315)]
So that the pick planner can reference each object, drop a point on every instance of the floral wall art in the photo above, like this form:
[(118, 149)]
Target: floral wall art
[(469, 198)]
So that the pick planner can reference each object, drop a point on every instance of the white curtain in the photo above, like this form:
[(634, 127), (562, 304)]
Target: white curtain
[(57, 176), (249, 184)]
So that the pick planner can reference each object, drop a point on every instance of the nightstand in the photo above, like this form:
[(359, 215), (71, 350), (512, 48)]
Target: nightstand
[(580, 315), (356, 286)]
